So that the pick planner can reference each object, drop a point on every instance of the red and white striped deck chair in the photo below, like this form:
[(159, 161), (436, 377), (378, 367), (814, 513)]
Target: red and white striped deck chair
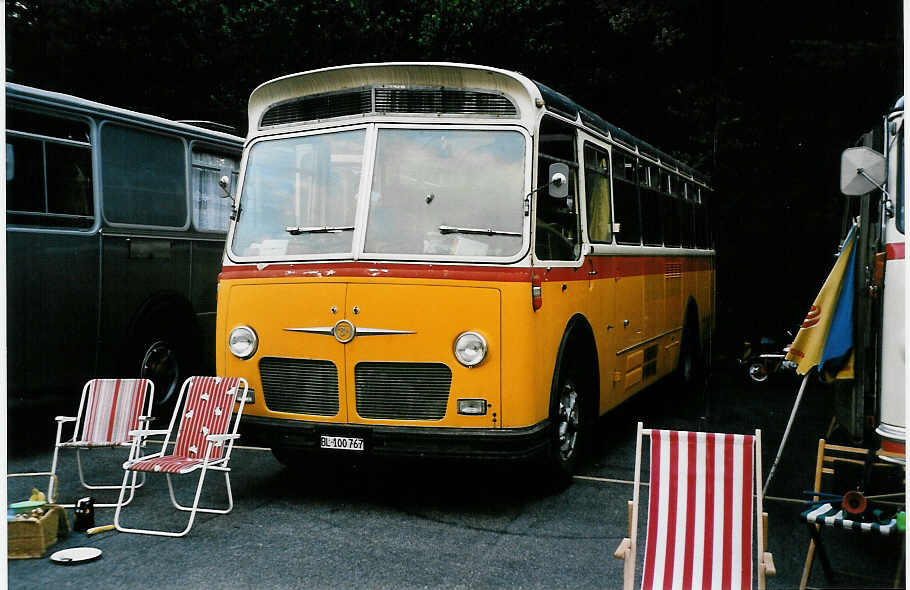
[(108, 410), (704, 511), (205, 426)]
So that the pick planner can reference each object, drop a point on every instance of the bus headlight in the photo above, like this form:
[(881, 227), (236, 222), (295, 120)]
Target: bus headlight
[(470, 349), (243, 342)]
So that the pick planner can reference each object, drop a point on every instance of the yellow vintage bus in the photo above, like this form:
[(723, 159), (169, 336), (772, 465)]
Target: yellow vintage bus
[(438, 259)]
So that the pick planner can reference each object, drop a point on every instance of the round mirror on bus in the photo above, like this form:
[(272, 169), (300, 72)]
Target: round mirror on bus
[(559, 180), (862, 170)]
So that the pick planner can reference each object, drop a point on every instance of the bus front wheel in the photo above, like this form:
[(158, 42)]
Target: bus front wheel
[(571, 421)]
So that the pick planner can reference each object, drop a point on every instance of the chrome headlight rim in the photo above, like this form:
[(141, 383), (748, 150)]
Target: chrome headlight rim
[(244, 354), (470, 334)]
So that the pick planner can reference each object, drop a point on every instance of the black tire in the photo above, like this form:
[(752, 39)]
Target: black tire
[(571, 418), (690, 369), (166, 351)]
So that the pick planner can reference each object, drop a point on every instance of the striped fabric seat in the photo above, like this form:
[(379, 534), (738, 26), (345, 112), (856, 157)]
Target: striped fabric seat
[(204, 440), (702, 528), (112, 409), (167, 465), (826, 514), (700, 535), (108, 410)]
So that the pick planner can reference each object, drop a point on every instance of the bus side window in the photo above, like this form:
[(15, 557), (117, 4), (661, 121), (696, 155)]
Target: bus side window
[(557, 227), (688, 223), (652, 232), (597, 194), (701, 219), (143, 177), (672, 212), (625, 197), (211, 211), (49, 171)]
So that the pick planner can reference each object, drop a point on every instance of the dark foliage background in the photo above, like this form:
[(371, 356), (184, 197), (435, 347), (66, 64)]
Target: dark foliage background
[(762, 96)]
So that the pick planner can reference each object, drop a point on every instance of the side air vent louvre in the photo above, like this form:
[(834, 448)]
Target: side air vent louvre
[(384, 99), (443, 100), (321, 106)]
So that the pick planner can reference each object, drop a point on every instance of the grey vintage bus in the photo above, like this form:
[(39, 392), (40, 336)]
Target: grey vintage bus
[(115, 228)]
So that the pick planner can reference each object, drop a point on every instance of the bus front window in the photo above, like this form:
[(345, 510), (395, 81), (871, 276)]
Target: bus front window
[(439, 192), (300, 195)]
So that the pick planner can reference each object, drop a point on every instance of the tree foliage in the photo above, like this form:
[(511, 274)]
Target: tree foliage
[(762, 97)]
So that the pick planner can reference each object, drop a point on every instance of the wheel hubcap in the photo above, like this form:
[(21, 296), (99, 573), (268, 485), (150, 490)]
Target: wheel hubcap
[(758, 372), (568, 421), (161, 366)]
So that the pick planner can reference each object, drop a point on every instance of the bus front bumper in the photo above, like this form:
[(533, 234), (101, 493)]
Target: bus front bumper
[(400, 441)]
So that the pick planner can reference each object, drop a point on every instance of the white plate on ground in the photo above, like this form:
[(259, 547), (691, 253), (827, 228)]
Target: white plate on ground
[(76, 555)]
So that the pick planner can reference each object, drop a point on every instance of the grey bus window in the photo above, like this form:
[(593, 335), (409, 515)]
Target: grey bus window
[(701, 226), (143, 176), (49, 184), (672, 210), (597, 194), (652, 223), (664, 181), (626, 173), (687, 227), (557, 229), (211, 210), (40, 124)]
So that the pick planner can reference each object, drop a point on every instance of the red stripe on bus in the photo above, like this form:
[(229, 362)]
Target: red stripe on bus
[(895, 250), (891, 446), (603, 266)]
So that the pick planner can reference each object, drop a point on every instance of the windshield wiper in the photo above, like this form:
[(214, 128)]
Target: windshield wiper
[(448, 229), (296, 231)]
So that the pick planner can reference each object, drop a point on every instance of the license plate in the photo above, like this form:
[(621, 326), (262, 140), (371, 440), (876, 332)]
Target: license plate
[(341, 443)]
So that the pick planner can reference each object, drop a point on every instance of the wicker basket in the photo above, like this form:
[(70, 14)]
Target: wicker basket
[(30, 537)]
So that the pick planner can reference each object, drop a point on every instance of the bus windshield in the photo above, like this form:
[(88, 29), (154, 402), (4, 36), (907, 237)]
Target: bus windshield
[(433, 193)]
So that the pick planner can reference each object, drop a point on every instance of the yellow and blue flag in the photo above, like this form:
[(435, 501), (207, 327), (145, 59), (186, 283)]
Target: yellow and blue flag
[(825, 338)]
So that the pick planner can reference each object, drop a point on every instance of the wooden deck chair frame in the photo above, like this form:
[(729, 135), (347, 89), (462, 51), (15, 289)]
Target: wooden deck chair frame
[(209, 460), (827, 459), (628, 547), (78, 440)]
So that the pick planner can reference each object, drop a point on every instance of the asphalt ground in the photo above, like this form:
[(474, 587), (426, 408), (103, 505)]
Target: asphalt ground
[(433, 524)]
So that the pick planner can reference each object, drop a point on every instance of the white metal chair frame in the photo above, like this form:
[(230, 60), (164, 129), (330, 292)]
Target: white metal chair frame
[(628, 546), (74, 443), (218, 464)]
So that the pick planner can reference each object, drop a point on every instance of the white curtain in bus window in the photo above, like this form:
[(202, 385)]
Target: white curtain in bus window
[(143, 177), (211, 209), (48, 171), (597, 194), (300, 195), (444, 192)]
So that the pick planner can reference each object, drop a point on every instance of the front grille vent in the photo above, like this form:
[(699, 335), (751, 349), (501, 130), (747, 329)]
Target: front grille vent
[(299, 386), (402, 391), (383, 99)]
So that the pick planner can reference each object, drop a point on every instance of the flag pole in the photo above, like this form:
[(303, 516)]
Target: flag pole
[(780, 450)]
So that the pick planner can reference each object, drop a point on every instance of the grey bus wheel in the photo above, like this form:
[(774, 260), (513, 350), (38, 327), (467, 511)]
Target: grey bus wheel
[(161, 364)]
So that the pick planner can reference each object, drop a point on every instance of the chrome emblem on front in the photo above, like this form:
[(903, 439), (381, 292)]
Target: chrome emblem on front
[(344, 331)]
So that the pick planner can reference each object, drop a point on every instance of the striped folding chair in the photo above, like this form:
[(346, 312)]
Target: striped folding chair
[(108, 410), (835, 510), (705, 497), (205, 406)]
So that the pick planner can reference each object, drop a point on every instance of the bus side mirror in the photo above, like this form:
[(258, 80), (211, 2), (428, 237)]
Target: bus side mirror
[(224, 180), (862, 170), (559, 180)]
